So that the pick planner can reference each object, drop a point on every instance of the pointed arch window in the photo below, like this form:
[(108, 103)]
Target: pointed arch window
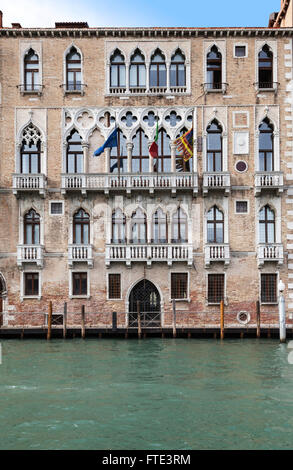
[(177, 69), (31, 228), (138, 227), (74, 154), (214, 69), (140, 152), (162, 164), (266, 146), (30, 152), (31, 71), (179, 227), (118, 227), (215, 226), (158, 71), (214, 147), (73, 70), (266, 225), (181, 164), (118, 158), (117, 70), (81, 228), (160, 228), (137, 71), (265, 68)]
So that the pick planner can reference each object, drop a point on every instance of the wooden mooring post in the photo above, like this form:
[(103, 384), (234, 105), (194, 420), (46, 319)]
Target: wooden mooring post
[(138, 321), (174, 318), (82, 322), (222, 319), (114, 321), (64, 320), (50, 320), (258, 319)]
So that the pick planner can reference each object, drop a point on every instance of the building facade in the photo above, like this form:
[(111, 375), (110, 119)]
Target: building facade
[(124, 230)]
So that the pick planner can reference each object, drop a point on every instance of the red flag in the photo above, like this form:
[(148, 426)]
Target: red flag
[(154, 150)]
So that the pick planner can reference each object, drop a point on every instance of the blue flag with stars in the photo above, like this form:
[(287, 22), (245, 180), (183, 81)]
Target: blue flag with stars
[(110, 142)]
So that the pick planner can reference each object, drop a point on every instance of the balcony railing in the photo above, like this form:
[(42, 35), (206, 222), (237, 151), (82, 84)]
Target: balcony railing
[(74, 88), (272, 252), (128, 182), (30, 254), (216, 181), (80, 254), (29, 182), (217, 252), (153, 90), (149, 253), (268, 180), (267, 86), (215, 87), (30, 89)]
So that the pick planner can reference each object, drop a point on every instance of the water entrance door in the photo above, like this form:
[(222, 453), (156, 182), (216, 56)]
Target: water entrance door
[(147, 296)]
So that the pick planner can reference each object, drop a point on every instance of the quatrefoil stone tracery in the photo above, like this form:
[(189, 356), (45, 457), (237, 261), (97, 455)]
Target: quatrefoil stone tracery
[(31, 134)]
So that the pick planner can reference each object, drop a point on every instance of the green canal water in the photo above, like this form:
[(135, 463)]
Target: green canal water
[(151, 394)]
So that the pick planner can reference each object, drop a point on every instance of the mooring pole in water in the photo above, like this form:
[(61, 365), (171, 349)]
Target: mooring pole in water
[(64, 319), (138, 320), (222, 319), (82, 322), (49, 320), (258, 319), (282, 314), (114, 321), (174, 318)]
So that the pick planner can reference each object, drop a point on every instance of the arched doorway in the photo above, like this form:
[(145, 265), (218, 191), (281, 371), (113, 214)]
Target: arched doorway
[(145, 298)]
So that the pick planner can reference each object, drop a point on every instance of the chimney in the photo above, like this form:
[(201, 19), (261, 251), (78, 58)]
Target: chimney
[(1, 16), (16, 25)]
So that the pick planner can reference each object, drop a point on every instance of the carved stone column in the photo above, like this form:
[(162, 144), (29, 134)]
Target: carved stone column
[(173, 157), (129, 147), (85, 149)]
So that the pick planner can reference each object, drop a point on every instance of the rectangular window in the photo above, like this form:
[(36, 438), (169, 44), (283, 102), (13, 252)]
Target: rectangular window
[(31, 284), (79, 283), (241, 207), (240, 51), (56, 208), (215, 288), (269, 288), (114, 286), (179, 282)]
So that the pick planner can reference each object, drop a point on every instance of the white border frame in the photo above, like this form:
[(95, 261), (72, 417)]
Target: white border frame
[(248, 206), (22, 285), (54, 202), (277, 283), (207, 288), (70, 294), (240, 44)]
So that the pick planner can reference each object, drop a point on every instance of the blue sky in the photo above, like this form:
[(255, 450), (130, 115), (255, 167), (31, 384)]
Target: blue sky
[(198, 13)]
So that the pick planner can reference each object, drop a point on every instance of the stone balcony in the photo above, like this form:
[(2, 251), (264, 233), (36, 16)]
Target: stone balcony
[(80, 254), (149, 254), (29, 183), (270, 252), (216, 181), (128, 182), (30, 254), (217, 252), (268, 180)]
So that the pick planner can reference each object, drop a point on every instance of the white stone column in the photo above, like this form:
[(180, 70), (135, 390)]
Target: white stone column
[(168, 64), (147, 76), (129, 147), (18, 157), (85, 149), (173, 157), (151, 159), (127, 64)]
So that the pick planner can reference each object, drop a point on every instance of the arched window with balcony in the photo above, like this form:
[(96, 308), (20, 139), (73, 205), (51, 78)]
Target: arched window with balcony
[(214, 147), (158, 71), (265, 68), (214, 69), (31, 71), (138, 227), (30, 151), (215, 225), (31, 228), (181, 164), (162, 164), (74, 153), (266, 146), (179, 226), (117, 70), (140, 152), (81, 228), (118, 158), (137, 70), (159, 227), (178, 70), (73, 70), (118, 227), (266, 225)]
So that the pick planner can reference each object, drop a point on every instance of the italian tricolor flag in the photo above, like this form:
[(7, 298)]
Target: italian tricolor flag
[(154, 150)]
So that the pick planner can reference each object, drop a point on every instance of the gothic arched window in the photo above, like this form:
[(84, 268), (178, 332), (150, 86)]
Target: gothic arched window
[(160, 228), (179, 227), (30, 152), (118, 227), (265, 68), (158, 72), (215, 226), (31, 228), (138, 227), (266, 146), (81, 228), (266, 225), (31, 71), (214, 69), (162, 164), (181, 164), (118, 159), (74, 154), (177, 69), (117, 70), (137, 70), (140, 152), (214, 147), (73, 70)]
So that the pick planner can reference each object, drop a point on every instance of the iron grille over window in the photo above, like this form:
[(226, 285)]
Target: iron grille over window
[(31, 284), (56, 208), (179, 285), (114, 286), (241, 207), (269, 288), (215, 288), (79, 283)]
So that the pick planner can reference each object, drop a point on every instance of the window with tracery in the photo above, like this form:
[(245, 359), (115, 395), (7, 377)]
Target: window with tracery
[(138, 227), (30, 152), (118, 227), (266, 146), (177, 70), (31, 228), (74, 154), (179, 227), (214, 69), (117, 70), (265, 68), (266, 225), (160, 228), (214, 147), (81, 228), (215, 226), (140, 152), (158, 71), (137, 70)]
